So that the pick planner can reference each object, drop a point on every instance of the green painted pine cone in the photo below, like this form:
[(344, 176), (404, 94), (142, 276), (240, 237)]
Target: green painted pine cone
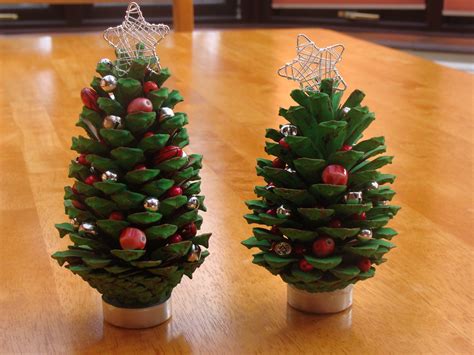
[(114, 177), (352, 213)]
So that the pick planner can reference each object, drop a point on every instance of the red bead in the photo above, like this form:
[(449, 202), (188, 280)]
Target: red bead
[(149, 86), (175, 191), (305, 266), (148, 134), (91, 179), (271, 211), (139, 167), (89, 99), (299, 249), (175, 239), (189, 230), (140, 104), (78, 205), (346, 147), (168, 152), (364, 264), (132, 238), (323, 246), (335, 175), (359, 217), (278, 163), (335, 223), (275, 230), (82, 159), (282, 142), (116, 216)]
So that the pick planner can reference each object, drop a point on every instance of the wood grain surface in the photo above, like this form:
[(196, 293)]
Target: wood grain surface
[(420, 300)]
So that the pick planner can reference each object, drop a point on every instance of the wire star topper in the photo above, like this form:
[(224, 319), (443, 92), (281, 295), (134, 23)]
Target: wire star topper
[(313, 64), (135, 38)]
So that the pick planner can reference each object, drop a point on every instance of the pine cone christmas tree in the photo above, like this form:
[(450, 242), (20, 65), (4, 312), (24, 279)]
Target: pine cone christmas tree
[(325, 206), (135, 200)]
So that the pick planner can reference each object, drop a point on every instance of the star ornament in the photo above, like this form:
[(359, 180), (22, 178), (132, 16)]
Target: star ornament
[(313, 64), (135, 38)]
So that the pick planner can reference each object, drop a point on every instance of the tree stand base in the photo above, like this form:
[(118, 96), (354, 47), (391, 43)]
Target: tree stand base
[(137, 318), (320, 302)]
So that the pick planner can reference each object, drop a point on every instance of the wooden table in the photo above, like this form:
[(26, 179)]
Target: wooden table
[(419, 302)]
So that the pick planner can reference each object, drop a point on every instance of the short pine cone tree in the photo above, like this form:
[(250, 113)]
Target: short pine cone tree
[(325, 204), (135, 200)]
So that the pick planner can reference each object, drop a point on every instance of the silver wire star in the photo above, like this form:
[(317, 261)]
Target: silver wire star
[(313, 64), (135, 38)]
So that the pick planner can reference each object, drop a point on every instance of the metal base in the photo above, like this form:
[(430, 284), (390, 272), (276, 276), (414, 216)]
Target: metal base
[(137, 318), (320, 302)]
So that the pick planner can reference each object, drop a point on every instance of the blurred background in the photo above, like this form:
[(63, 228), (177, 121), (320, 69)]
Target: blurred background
[(440, 30)]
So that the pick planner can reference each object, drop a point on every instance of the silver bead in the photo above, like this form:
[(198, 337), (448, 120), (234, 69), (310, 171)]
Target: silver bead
[(109, 176), (88, 228), (353, 197), (108, 83), (112, 122), (373, 186), (382, 203), (194, 254), (364, 235), (282, 248), (193, 203), (75, 222), (92, 170), (283, 212), (154, 67), (165, 112), (107, 62), (151, 204), (346, 110), (289, 130), (290, 170), (269, 187)]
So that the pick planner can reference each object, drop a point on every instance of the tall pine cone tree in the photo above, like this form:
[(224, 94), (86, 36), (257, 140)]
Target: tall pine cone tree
[(134, 203), (325, 207)]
